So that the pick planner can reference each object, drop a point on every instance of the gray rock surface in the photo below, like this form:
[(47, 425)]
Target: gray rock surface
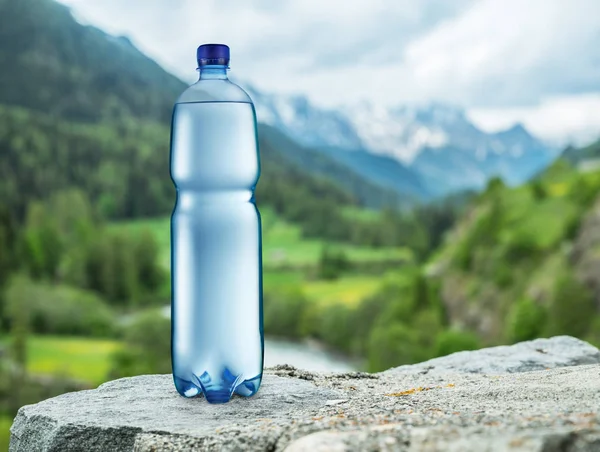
[(539, 354), (445, 404)]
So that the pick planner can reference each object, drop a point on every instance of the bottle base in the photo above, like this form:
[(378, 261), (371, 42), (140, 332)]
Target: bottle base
[(219, 390)]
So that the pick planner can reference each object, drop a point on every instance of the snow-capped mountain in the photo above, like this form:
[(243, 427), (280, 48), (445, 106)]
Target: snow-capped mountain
[(437, 142), (302, 121), (470, 157), (332, 134)]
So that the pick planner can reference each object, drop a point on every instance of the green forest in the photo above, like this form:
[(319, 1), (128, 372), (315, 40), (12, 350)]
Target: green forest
[(85, 199)]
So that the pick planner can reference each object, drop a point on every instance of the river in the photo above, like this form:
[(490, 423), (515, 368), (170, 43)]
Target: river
[(307, 354)]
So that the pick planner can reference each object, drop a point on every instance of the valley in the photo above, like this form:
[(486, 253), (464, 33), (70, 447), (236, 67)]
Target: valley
[(391, 235)]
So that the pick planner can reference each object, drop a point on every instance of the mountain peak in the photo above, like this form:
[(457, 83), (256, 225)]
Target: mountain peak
[(517, 128), (126, 41), (515, 132), (436, 139), (440, 113)]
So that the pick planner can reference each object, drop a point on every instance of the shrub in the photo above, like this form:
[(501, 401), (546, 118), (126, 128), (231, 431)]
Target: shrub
[(366, 314), (452, 340), (63, 310), (408, 294), (494, 185), (593, 336), (483, 232), (392, 345), (463, 254), (427, 324), (538, 190), (572, 226), (114, 255), (421, 296), (124, 268), (150, 275), (583, 192), (42, 246), (572, 309), (503, 275), (18, 316), (10, 240), (336, 326), (146, 348), (522, 245), (332, 264), (526, 321), (284, 312), (409, 300), (399, 302)]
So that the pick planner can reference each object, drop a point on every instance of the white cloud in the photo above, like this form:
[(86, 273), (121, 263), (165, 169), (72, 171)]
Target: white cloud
[(274, 43), (499, 58), (563, 120), (507, 52)]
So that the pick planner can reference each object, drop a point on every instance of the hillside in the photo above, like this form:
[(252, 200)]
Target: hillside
[(58, 67), (124, 169), (521, 263), (587, 154), (384, 171), (346, 175), (80, 108), (52, 64)]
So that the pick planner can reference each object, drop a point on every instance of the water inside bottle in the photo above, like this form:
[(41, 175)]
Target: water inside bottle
[(217, 339)]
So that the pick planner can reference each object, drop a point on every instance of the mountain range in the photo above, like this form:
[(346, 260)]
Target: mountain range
[(426, 151), (379, 155)]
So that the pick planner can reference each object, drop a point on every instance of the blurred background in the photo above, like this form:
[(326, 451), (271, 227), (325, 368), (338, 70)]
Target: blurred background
[(430, 179)]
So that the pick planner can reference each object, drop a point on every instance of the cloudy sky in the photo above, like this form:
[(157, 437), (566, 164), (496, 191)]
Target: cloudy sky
[(532, 61)]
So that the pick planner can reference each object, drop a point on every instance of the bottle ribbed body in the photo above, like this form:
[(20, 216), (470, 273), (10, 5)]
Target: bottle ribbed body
[(217, 337)]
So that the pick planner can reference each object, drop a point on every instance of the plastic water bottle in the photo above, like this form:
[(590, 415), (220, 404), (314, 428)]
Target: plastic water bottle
[(216, 261)]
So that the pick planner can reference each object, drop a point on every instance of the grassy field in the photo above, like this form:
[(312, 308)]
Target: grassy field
[(283, 244), (5, 423), (80, 358), (274, 280), (348, 289), (290, 259)]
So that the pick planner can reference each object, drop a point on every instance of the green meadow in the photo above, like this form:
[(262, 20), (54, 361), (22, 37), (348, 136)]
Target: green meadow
[(291, 260), (283, 243), (80, 358)]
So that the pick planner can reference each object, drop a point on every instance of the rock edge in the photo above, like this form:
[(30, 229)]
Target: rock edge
[(532, 396)]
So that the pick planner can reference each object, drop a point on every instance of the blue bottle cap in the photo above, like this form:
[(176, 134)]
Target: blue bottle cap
[(213, 54)]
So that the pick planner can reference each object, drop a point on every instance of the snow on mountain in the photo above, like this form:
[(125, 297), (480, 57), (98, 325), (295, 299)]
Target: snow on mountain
[(405, 132), (394, 133), (302, 121), (437, 141)]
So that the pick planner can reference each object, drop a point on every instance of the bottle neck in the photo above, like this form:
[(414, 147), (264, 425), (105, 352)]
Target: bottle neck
[(213, 72)]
